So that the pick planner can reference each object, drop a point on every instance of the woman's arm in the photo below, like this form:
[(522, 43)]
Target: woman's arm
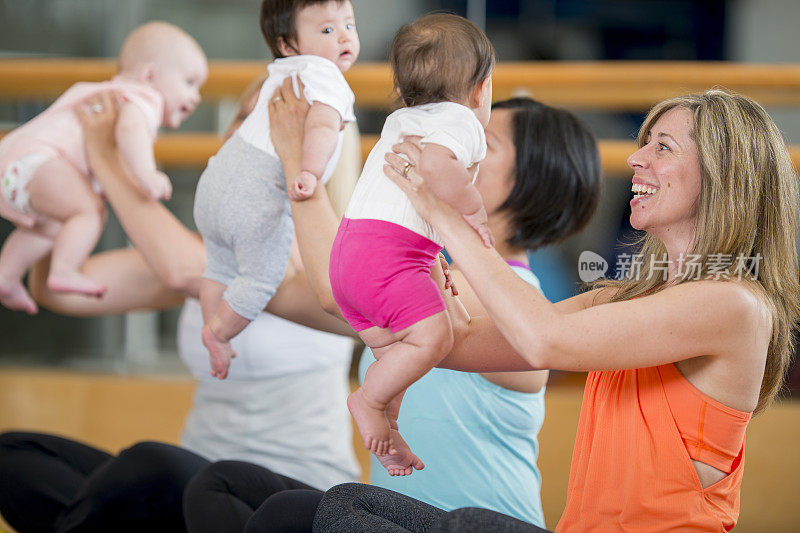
[(131, 286), (519, 381), (315, 222), (685, 321), (175, 253)]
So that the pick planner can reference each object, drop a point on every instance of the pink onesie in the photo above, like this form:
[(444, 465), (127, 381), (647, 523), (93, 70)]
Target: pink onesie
[(381, 275), (56, 132)]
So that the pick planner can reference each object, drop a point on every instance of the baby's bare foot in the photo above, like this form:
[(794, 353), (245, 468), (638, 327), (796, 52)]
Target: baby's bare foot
[(76, 282), (402, 462), (220, 352), (303, 187), (14, 296), (371, 422)]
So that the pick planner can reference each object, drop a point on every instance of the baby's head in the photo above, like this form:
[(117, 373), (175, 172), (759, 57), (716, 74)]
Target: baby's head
[(443, 58), (324, 28), (169, 60)]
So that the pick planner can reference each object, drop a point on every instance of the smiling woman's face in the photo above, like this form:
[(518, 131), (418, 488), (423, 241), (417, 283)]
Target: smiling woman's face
[(497, 170), (666, 176)]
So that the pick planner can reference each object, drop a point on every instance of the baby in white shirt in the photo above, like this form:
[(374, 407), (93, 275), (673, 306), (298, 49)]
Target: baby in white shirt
[(47, 189), (383, 252), (241, 205)]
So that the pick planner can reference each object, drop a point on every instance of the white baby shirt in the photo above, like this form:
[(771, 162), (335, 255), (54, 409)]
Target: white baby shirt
[(451, 125), (323, 83)]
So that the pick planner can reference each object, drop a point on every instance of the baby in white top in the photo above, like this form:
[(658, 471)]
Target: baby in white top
[(241, 206), (47, 189), (381, 257)]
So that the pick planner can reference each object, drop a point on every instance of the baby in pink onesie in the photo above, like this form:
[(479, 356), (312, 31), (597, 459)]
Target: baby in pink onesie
[(47, 186), (381, 257)]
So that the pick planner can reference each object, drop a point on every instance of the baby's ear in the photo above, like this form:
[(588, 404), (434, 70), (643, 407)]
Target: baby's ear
[(482, 91), (285, 48), (147, 73)]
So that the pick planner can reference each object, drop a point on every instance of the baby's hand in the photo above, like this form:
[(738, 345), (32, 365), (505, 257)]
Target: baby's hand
[(158, 186), (303, 187), (480, 223), (448, 280)]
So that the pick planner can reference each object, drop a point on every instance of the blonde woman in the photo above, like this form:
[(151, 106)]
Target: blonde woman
[(679, 357), (286, 383)]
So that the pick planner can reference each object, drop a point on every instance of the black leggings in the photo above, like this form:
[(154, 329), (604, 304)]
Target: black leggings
[(353, 508), (234, 496), (48, 483)]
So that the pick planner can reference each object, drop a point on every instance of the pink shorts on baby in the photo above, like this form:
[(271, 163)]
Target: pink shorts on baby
[(380, 275)]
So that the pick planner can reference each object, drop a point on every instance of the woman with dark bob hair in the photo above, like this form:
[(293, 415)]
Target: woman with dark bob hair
[(477, 433)]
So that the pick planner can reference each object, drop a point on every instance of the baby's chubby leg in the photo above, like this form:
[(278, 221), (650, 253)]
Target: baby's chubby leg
[(221, 324), (417, 349), (23, 248), (58, 191)]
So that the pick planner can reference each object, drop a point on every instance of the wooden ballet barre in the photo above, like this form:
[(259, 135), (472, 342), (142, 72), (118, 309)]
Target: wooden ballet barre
[(601, 85), (192, 150)]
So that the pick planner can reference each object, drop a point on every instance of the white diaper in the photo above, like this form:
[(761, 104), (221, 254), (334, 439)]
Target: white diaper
[(17, 176)]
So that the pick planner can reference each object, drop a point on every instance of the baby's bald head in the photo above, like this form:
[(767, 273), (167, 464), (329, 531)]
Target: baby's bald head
[(166, 58), (158, 42)]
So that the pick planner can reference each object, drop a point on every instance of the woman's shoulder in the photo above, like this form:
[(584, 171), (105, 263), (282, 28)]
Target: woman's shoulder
[(734, 298)]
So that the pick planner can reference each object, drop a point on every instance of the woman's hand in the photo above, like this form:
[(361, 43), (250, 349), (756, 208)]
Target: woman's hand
[(287, 118), (98, 116), (402, 169)]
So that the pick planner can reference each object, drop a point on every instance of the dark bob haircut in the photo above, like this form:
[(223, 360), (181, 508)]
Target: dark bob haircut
[(557, 175), (277, 20)]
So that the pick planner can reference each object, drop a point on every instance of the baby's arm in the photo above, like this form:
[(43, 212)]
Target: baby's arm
[(136, 146), (452, 182), (322, 127)]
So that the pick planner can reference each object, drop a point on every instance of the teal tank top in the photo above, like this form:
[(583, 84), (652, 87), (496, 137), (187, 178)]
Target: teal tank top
[(478, 441)]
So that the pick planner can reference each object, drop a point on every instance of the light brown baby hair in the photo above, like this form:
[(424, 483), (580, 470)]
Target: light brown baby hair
[(439, 58)]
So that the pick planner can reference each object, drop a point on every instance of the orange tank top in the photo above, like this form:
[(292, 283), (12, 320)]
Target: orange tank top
[(631, 466)]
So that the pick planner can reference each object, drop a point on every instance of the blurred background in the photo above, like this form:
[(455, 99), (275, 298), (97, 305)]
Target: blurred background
[(521, 30), (115, 380)]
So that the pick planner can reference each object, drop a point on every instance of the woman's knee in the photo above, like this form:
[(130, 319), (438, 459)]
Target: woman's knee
[(346, 492), (287, 511), (11, 439), (161, 460), (212, 477), (478, 520)]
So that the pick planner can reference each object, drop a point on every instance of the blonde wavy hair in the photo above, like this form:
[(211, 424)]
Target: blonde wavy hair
[(748, 207)]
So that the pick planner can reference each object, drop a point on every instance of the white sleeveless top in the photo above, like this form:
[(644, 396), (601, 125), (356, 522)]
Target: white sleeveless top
[(282, 405)]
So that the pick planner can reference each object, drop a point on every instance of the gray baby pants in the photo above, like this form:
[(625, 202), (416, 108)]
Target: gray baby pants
[(242, 210)]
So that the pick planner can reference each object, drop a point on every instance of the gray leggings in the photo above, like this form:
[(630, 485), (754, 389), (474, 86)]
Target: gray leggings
[(353, 507), (242, 210)]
